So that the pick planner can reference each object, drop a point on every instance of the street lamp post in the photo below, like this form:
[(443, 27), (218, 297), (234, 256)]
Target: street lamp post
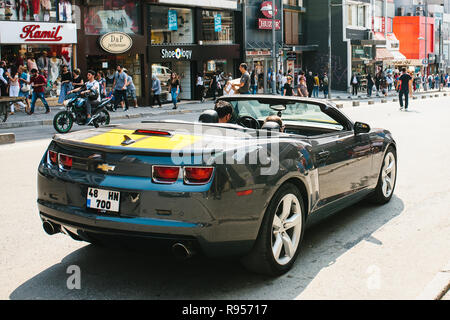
[(329, 49), (274, 48)]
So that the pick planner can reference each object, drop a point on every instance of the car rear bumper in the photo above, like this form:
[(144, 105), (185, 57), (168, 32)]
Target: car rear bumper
[(204, 219)]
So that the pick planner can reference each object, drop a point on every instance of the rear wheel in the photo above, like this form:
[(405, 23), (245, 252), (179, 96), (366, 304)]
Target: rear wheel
[(387, 178), (63, 122), (103, 118), (281, 233)]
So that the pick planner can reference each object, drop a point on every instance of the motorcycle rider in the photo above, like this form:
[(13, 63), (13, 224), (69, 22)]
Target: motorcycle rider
[(92, 88)]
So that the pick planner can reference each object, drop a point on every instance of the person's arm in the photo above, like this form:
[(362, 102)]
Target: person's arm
[(2, 71)]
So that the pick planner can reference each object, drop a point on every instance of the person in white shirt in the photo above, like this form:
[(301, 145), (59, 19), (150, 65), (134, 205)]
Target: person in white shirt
[(200, 87), (283, 82), (93, 86)]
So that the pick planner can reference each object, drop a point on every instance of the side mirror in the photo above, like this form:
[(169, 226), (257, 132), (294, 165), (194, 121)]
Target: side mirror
[(360, 127)]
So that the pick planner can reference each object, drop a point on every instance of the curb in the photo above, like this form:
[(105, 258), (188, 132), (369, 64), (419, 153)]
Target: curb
[(6, 138), (438, 287), (10, 125)]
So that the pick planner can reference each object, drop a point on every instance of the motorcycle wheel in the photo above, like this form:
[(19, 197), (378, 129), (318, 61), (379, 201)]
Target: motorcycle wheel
[(102, 119), (63, 122)]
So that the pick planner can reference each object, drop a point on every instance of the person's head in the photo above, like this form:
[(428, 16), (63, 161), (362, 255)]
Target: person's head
[(34, 72), (77, 72), (44, 53), (289, 79), (173, 76), (153, 77), (276, 119), (243, 67), (224, 110), (310, 73), (90, 75), (119, 68), (2, 64), (65, 68), (403, 70), (54, 54)]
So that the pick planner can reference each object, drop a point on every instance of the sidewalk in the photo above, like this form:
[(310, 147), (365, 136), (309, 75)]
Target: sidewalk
[(39, 118)]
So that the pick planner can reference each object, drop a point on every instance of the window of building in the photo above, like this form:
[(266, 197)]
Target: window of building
[(291, 24), (112, 15), (36, 10), (356, 15), (171, 25), (217, 27)]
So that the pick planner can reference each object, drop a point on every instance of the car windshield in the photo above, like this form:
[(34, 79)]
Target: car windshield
[(301, 113)]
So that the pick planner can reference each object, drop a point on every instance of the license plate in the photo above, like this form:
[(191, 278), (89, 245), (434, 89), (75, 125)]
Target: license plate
[(103, 199)]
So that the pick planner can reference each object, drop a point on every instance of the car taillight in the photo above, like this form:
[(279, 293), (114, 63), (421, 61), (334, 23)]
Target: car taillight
[(197, 175), (53, 157), (65, 161), (165, 174)]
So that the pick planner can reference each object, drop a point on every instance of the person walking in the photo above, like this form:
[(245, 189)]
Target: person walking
[(288, 90), (120, 87), (310, 83), (200, 87), (3, 77), (24, 81), (254, 82), (370, 85), (131, 89), (213, 86), (283, 82), (354, 82), (38, 83), (404, 84), (244, 85), (325, 85), (100, 77), (279, 80), (302, 87), (66, 84), (156, 90), (174, 88), (14, 87), (316, 86)]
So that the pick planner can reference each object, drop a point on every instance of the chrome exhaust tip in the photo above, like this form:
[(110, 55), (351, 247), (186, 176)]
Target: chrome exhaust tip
[(50, 228), (182, 251)]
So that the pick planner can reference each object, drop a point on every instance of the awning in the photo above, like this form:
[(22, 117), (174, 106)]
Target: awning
[(383, 54), (398, 56)]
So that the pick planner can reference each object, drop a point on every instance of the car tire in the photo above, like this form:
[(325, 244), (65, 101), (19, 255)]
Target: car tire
[(285, 230), (385, 187)]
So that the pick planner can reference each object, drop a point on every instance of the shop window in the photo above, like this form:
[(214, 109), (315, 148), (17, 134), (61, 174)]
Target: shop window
[(362, 52), (112, 15), (36, 10), (171, 25), (217, 27)]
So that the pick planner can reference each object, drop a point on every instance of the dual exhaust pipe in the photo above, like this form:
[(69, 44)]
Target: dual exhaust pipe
[(180, 250)]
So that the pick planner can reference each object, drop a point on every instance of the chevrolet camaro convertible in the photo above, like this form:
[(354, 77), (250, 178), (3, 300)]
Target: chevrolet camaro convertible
[(247, 188)]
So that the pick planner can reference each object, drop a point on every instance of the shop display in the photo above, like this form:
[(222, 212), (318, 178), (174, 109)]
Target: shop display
[(36, 10)]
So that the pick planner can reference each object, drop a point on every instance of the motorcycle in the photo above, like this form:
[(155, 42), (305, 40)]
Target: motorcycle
[(76, 112)]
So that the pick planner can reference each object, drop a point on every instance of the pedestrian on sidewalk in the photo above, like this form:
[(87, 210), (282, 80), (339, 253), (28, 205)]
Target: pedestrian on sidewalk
[(287, 89), (24, 81), (354, 82), (325, 85), (283, 82), (38, 83), (279, 80), (174, 88), (404, 85), (213, 85), (200, 87), (370, 85), (156, 90), (3, 77), (302, 89), (14, 87), (120, 87), (100, 77), (66, 84), (316, 86), (77, 80), (131, 89), (244, 85), (254, 82), (310, 83)]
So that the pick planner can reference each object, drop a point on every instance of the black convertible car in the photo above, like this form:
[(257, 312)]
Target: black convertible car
[(234, 189)]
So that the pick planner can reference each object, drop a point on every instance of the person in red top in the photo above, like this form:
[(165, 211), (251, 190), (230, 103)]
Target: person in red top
[(38, 83)]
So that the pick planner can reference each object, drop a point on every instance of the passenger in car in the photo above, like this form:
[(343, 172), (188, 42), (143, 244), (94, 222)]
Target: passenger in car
[(268, 123)]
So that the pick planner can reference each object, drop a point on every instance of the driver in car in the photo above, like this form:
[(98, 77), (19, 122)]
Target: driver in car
[(224, 111)]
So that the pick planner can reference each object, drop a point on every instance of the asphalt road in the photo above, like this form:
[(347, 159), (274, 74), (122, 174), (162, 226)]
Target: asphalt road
[(363, 252)]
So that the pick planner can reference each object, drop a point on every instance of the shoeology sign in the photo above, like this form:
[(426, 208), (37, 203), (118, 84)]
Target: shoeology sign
[(30, 32)]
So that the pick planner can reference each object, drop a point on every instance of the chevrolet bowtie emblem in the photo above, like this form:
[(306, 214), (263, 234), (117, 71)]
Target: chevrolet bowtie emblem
[(105, 167)]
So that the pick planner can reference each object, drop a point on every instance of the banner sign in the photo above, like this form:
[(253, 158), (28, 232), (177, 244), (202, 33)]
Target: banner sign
[(173, 23), (218, 23), (32, 32), (266, 24)]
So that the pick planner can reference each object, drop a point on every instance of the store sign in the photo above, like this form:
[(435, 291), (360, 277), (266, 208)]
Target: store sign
[(172, 20), (266, 9), (116, 42), (26, 32), (266, 24), (218, 23), (178, 54)]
